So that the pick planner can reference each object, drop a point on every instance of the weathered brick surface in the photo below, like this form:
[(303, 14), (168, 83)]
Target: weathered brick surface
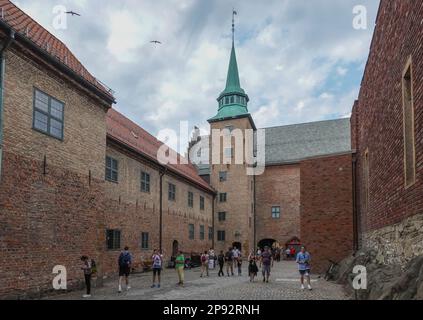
[(278, 186), (327, 209), (133, 212), (379, 117), (48, 218), (239, 188)]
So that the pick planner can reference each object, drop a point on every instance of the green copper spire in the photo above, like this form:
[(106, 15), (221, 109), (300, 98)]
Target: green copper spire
[(233, 100)]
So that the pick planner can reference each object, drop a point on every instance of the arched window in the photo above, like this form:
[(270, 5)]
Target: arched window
[(238, 99), (232, 99), (227, 100)]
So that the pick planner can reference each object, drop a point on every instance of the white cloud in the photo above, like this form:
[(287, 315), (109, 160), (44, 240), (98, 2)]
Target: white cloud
[(287, 53)]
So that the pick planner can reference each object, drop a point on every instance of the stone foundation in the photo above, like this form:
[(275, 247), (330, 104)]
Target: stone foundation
[(399, 243)]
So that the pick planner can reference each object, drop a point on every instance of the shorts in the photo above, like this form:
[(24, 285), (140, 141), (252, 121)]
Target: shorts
[(124, 271), (157, 271), (305, 272), (266, 269)]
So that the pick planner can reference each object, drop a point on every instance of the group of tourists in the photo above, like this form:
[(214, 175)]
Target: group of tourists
[(232, 259)]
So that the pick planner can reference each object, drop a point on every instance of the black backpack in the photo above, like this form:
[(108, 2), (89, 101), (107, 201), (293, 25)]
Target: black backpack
[(93, 266)]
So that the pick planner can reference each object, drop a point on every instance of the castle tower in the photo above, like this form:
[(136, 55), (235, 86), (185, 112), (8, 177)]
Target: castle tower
[(234, 209)]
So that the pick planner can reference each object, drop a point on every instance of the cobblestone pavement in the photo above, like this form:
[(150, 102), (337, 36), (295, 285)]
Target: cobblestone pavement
[(284, 285)]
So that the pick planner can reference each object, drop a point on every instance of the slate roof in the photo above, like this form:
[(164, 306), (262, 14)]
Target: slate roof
[(132, 136), (293, 143), (301, 141), (31, 30)]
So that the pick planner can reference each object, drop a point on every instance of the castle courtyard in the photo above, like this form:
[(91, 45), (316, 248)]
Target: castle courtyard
[(284, 285)]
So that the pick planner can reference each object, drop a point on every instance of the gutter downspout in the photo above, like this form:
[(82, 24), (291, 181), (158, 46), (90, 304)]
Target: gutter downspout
[(355, 213), (10, 39), (213, 219), (255, 215), (162, 174)]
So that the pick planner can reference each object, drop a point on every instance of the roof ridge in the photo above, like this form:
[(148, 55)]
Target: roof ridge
[(305, 123)]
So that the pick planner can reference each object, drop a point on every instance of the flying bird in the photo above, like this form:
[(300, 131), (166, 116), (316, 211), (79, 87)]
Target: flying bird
[(73, 13), (155, 42)]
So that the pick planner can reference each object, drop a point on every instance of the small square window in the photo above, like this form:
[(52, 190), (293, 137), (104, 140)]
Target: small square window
[(276, 212)]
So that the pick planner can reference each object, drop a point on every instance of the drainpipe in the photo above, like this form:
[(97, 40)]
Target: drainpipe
[(355, 213), (9, 41), (213, 220), (162, 174), (254, 216)]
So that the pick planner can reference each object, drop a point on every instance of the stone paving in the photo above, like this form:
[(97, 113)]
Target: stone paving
[(284, 285)]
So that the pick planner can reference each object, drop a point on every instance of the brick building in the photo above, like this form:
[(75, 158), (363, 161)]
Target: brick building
[(305, 194), (77, 177), (387, 133)]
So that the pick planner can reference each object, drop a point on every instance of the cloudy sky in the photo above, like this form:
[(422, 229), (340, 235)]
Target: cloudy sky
[(299, 60)]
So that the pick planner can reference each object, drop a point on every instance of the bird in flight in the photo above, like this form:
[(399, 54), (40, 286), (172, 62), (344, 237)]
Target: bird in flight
[(73, 13), (155, 42)]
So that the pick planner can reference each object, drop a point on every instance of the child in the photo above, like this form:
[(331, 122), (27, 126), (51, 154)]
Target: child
[(252, 268)]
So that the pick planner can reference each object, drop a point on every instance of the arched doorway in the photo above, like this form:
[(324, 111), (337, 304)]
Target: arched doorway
[(175, 248), (266, 243), (237, 245)]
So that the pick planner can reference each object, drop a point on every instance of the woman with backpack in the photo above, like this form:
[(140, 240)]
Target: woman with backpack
[(157, 259), (87, 268), (125, 262), (204, 263)]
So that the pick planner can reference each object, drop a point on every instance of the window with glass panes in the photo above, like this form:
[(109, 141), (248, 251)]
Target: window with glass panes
[(202, 206), (190, 200), (276, 212), (144, 240), (221, 235), (202, 233), (113, 239), (112, 169), (145, 182), (191, 232), (48, 115), (172, 192)]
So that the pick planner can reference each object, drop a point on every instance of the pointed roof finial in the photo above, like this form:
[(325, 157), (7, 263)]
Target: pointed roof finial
[(234, 13)]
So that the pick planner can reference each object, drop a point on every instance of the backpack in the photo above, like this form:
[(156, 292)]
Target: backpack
[(93, 266), (203, 258), (124, 259), (157, 261)]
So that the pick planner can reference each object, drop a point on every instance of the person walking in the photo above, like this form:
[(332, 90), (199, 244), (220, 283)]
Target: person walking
[(292, 253), (180, 266), (239, 264), (267, 263), (229, 260), (157, 259), (221, 261), (252, 267), (204, 264), (125, 262), (303, 260), (87, 268), (288, 253)]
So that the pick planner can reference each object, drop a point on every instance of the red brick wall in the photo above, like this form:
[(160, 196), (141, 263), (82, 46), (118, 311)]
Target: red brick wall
[(398, 35), (278, 186), (327, 209), (46, 220)]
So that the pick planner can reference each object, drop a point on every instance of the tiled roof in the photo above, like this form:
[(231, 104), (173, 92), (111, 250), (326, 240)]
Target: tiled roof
[(125, 131), (27, 27)]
